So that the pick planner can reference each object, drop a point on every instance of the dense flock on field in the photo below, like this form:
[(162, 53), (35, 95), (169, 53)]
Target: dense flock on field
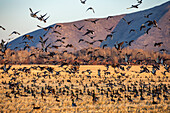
[(97, 79)]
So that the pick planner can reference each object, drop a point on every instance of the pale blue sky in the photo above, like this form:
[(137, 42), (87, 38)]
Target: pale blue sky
[(15, 14)]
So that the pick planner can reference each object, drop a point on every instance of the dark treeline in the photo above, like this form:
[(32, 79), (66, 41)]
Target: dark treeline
[(89, 56)]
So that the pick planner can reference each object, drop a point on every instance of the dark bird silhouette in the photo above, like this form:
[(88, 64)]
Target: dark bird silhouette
[(35, 107), (56, 47), (158, 44), (2, 27), (142, 26), (92, 37), (88, 32), (45, 20), (80, 40), (108, 36), (78, 28), (147, 31), (46, 28), (27, 37), (59, 40), (134, 6), (93, 21), (163, 50), (104, 46), (90, 8), (91, 43), (41, 18), (83, 1), (14, 32), (147, 16), (109, 29), (32, 14), (119, 45), (69, 45), (139, 1), (56, 32), (129, 43), (132, 30), (128, 22)]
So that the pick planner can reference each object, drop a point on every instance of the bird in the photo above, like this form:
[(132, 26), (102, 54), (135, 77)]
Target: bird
[(41, 18), (90, 8), (127, 21), (158, 44), (104, 46), (147, 16), (134, 6), (139, 1), (69, 45), (35, 107), (78, 28), (129, 43), (88, 32), (132, 30), (142, 26), (147, 31), (14, 32), (34, 15), (119, 45), (2, 27), (83, 1), (109, 29), (27, 37), (45, 20), (80, 40), (93, 21)]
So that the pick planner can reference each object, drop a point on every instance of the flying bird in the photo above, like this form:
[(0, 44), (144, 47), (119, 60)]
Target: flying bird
[(78, 28), (83, 1), (93, 21), (158, 44), (14, 32), (139, 1), (90, 8), (34, 15), (109, 29), (2, 27), (80, 40), (88, 32), (147, 16), (147, 31), (45, 20), (41, 18), (134, 6), (104, 46), (127, 21), (132, 30), (142, 26)]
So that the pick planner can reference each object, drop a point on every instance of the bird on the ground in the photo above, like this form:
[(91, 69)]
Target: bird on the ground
[(15, 32), (32, 14), (90, 8), (2, 27)]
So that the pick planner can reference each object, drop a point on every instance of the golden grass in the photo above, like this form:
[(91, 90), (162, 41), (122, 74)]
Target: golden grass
[(103, 105)]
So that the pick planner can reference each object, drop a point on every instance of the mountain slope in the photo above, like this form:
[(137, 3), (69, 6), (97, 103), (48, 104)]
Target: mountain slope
[(160, 13)]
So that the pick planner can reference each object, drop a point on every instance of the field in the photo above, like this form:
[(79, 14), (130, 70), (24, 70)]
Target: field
[(32, 88)]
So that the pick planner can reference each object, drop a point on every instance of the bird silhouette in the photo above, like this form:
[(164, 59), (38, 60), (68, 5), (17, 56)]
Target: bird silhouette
[(128, 22), (158, 44), (32, 14), (90, 8), (2, 27), (45, 20), (88, 32), (147, 31), (15, 32), (134, 6), (132, 30), (83, 1), (93, 21), (147, 16), (78, 28)]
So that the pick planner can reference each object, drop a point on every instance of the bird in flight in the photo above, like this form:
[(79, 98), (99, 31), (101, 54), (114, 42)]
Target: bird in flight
[(93, 21), (14, 32), (90, 8), (41, 18), (147, 16), (88, 32), (79, 28), (34, 15), (127, 21), (2, 27), (83, 1), (158, 44), (45, 20), (134, 6)]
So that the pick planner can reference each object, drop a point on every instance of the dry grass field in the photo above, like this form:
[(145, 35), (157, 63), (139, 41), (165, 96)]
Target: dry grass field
[(53, 89)]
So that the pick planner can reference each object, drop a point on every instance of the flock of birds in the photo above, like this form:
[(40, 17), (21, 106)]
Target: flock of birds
[(115, 87)]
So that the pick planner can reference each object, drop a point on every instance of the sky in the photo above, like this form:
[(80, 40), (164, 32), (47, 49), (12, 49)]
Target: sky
[(15, 14)]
